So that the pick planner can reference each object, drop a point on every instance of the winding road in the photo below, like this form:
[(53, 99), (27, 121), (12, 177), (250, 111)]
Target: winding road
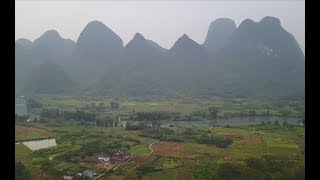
[(151, 147)]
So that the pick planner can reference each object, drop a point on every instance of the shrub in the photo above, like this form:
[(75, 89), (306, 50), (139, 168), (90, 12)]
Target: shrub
[(215, 140)]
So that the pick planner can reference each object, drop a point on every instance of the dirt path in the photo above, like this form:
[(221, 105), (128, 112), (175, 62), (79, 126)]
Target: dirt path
[(151, 147), (123, 162), (100, 175)]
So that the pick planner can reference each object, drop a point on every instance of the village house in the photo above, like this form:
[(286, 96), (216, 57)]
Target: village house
[(104, 159), (119, 157), (88, 173)]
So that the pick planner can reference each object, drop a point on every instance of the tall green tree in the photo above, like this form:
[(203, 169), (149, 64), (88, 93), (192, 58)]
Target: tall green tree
[(21, 173), (213, 111)]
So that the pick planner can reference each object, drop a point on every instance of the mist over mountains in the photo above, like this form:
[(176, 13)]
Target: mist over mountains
[(254, 59)]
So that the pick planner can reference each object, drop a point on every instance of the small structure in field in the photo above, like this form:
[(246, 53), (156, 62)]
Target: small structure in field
[(88, 173), (104, 159), (67, 177)]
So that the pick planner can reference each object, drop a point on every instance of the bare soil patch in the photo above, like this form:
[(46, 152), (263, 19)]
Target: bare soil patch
[(22, 133), (167, 148), (143, 159), (253, 140), (231, 136), (300, 142), (114, 178), (149, 178), (184, 176), (227, 158), (188, 162)]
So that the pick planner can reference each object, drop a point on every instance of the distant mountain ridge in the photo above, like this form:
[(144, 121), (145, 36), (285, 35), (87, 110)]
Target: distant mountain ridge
[(254, 59), (139, 42), (52, 46), (220, 30), (96, 49)]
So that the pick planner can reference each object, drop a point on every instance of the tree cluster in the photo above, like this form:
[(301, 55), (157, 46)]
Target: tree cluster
[(114, 105), (266, 167), (32, 103), (156, 132), (215, 140), (78, 115), (213, 111), (156, 115), (21, 173)]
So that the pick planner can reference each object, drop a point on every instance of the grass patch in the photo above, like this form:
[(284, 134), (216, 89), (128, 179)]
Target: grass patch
[(24, 133), (142, 149)]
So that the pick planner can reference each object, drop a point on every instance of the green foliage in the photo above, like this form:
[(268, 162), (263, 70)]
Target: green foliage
[(266, 167), (93, 105), (32, 103), (132, 176), (215, 140), (197, 115), (139, 126), (21, 173), (228, 171), (252, 112), (78, 115), (156, 115), (195, 109), (172, 163), (22, 118), (254, 163), (114, 105), (285, 111), (38, 161), (205, 168), (144, 169), (213, 111), (156, 132)]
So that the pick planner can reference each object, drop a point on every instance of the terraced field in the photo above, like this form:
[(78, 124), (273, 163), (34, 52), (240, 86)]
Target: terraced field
[(25, 133)]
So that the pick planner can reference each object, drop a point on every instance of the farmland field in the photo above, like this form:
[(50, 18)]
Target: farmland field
[(227, 106), (24, 133), (170, 160), (158, 150)]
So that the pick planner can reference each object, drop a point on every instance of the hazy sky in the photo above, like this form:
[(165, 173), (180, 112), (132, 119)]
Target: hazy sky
[(160, 21)]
